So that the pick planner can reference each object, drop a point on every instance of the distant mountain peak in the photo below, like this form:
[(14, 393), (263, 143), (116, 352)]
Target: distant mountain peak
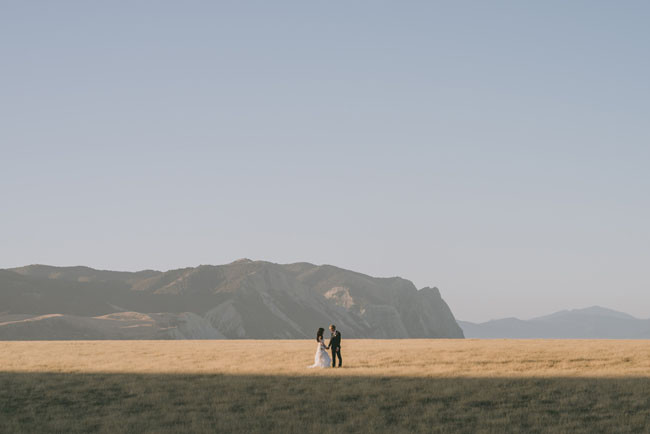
[(592, 310), (594, 322), (599, 310)]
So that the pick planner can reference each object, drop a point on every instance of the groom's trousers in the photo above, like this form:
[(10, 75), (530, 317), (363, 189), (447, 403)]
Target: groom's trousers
[(336, 352)]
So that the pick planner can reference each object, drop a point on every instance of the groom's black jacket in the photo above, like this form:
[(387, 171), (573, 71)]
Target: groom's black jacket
[(335, 340)]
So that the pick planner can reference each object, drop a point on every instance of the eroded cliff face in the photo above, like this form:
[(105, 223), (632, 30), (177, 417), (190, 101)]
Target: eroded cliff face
[(244, 299)]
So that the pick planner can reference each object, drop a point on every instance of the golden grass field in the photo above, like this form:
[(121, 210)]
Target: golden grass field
[(392, 386)]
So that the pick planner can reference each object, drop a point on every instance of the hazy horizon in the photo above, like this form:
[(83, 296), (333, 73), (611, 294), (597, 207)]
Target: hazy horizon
[(498, 152)]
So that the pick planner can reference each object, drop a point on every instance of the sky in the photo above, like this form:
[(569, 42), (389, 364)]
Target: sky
[(496, 150)]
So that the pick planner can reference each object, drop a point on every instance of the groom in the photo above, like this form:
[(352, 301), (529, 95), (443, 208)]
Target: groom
[(335, 345)]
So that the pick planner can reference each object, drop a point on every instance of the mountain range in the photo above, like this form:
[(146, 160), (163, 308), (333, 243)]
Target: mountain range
[(590, 323), (241, 300)]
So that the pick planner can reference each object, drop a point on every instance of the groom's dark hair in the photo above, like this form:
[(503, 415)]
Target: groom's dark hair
[(332, 326)]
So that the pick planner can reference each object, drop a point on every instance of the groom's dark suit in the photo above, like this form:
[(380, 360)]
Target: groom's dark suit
[(335, 345)]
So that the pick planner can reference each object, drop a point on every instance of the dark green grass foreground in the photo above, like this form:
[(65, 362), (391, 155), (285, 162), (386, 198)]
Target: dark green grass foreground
[(136, 403)]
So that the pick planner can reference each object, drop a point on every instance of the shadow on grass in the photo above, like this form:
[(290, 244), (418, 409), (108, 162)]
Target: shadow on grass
[(70, 402)]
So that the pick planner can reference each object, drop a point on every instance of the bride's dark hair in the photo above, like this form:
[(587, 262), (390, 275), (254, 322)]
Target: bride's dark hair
[(319, 334)]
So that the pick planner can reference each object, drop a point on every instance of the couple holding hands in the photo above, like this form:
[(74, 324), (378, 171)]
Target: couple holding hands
[(322, 359)]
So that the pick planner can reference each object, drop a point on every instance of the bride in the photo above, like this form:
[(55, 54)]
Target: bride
[(321, 359)]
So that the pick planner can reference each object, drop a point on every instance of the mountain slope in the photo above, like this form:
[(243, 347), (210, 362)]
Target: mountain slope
[(244, 299), (590, 323)]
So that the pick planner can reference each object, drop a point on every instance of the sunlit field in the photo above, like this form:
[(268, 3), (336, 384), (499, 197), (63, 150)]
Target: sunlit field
[(384, 386)]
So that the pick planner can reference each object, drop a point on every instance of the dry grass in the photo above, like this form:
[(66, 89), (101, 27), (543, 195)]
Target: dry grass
[(385, 386)]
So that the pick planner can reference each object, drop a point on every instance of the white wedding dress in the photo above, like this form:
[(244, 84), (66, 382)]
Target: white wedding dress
[(321, 359)]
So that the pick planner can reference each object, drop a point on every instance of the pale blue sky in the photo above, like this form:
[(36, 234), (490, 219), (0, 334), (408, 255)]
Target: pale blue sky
[(497, 150)]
